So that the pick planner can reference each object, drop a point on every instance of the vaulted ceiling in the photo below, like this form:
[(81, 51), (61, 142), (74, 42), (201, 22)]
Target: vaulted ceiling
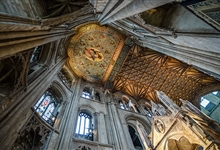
[(145, 71), (101, 54)]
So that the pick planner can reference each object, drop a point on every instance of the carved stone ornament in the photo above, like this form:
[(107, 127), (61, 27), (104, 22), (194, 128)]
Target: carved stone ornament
[(83, 148), (159, 126), (34, 135)]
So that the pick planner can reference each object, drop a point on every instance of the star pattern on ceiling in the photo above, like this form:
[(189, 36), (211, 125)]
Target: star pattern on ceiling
[(146, 71)]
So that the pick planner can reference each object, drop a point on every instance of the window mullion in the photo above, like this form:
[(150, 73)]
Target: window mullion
[(84, 126), (80, 124)]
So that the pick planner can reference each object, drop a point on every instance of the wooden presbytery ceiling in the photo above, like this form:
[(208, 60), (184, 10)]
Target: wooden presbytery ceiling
[(145, 71)]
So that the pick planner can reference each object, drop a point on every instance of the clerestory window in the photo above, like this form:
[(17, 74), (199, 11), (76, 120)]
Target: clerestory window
[(87, 93), (84, 128)]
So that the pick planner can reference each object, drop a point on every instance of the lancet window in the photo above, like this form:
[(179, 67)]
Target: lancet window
[(90, 93), (135, 138), (47, 107), (127, 104), (84, 128)]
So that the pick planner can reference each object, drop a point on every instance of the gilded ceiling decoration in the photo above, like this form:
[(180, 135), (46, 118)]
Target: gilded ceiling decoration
[(93, 52), (145, 71)]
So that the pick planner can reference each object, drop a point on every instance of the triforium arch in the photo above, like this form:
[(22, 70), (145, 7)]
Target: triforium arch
[(203, 92), (145, 105), (138, 128), (126, 102), (59, 89), (88, 92), (92, 92)]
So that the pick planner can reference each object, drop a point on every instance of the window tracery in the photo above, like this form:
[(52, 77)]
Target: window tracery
[(36, 54), (127, 104), (87, 93), (91, 93)]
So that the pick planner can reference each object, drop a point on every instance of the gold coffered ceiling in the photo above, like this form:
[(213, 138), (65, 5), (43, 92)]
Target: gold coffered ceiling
[(145, 71), (93, 52)]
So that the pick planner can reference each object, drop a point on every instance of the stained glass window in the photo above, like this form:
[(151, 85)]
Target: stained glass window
[(46, 106)]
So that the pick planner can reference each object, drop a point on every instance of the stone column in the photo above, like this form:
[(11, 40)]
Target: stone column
[(70, 118), (102, 135), (118, 127), (96, 132), (108, 129), (113, 134), (59, 125), (136, 7)]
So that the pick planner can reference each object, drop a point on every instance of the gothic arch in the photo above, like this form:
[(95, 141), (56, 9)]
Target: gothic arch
[(135, 117), (59, 90), (89, 108), (203, 92)]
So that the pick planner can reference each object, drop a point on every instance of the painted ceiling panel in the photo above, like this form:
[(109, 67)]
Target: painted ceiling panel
[(93, 51)]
